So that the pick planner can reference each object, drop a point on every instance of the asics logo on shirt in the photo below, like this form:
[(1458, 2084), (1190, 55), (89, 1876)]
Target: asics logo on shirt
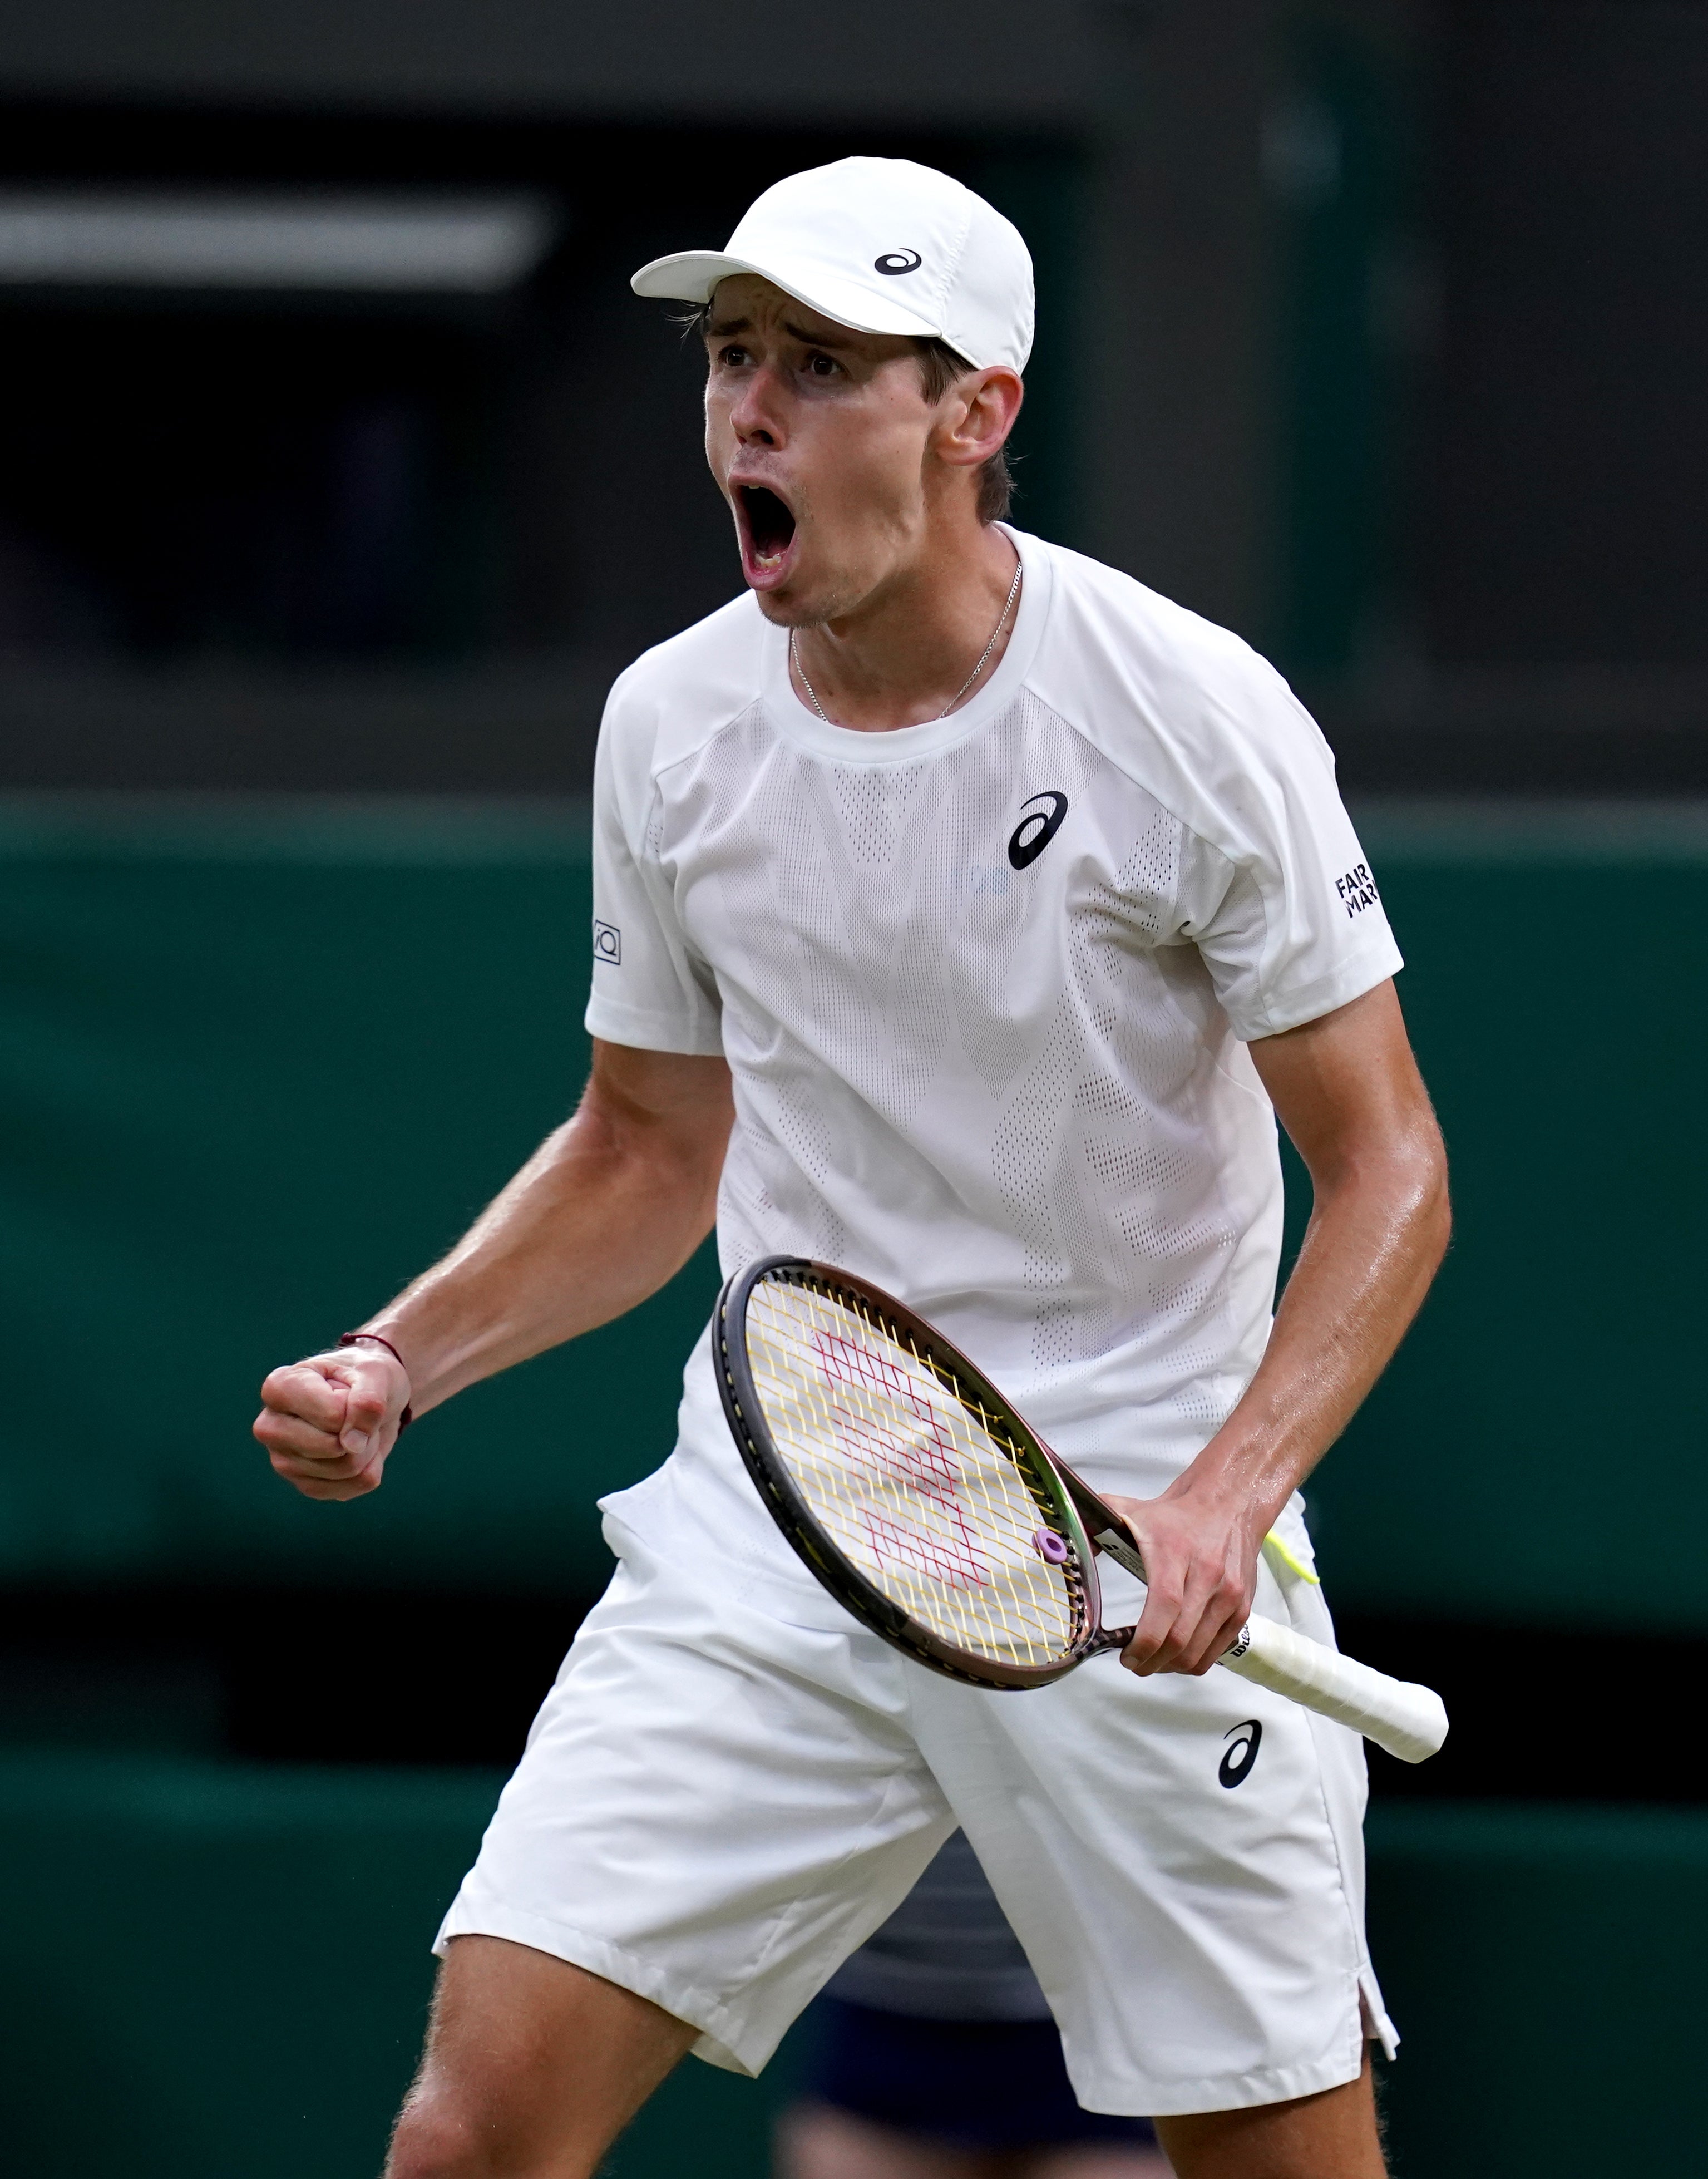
[(1236, 1764), (897, 260), (1037, 828), (607, 942)]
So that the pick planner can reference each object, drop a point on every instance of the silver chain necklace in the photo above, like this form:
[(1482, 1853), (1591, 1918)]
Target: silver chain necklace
[(996, 633)]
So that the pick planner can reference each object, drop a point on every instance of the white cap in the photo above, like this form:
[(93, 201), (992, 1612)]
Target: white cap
[(882, 245)]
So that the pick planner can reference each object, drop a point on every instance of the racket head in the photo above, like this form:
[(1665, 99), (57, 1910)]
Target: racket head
[(902, 1479)]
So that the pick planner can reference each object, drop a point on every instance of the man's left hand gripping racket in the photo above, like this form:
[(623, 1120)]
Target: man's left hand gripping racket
[(928, 1509)]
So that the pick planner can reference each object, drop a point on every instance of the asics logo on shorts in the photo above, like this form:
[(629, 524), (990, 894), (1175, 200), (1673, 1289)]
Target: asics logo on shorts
[(1244, 1741), (607, 943), (1039, 825)]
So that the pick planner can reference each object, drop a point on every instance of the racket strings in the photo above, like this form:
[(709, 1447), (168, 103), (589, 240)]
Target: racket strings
[(910, 1476)]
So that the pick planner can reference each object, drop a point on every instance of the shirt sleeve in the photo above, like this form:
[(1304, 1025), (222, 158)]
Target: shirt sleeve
[(1276, 890), (650, 989)]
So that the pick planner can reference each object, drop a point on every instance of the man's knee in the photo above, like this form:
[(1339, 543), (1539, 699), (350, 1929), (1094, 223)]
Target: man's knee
[(1330, 2135), (533, 2065), (432, 2144), (436, 2140)]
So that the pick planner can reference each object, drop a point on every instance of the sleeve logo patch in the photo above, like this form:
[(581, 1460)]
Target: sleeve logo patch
[(1357, 890), (607, 943)]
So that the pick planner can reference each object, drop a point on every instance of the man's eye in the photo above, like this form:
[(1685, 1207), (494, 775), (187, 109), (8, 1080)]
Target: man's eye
[(822, 366), (732, 357)]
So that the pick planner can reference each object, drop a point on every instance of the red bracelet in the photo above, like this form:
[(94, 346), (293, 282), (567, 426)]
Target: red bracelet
[(379, 1339)]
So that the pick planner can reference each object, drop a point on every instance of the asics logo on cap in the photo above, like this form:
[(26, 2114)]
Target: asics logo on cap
[(897, 260)]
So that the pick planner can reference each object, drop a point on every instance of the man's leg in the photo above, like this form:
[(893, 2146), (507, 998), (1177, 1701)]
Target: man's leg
[(532, 2068), (817, 2142), (1329, 2135), (1098, 2159)]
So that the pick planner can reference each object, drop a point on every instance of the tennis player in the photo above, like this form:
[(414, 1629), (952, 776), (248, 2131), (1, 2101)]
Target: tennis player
[(965, 913)]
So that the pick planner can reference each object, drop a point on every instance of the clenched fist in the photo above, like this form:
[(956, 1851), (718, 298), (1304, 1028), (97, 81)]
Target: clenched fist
[(329, 1422)]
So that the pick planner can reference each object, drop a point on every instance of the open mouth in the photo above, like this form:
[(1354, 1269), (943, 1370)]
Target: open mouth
[(767, 530)]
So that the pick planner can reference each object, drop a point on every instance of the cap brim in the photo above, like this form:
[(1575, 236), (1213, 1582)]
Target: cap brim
[(692, 276)]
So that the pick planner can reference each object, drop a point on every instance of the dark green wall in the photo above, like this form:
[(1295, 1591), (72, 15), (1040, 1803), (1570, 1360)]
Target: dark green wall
[(219, 1970), (1536, 1451), (1538, 1962), (216, 1969), (256, 1069), (253, 1073)]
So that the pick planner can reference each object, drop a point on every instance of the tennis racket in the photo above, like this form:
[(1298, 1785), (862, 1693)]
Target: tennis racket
[(928, 1509)]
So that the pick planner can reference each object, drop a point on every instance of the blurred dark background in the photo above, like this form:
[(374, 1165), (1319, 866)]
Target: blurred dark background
[(339, 471), (1372, 330)]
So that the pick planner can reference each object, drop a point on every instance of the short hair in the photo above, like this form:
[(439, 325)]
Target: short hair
[(940, 366)]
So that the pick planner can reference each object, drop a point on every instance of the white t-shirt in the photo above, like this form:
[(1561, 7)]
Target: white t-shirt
[(985, 987)]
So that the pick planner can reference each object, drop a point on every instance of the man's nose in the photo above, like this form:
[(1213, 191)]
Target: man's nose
[(756, 416)]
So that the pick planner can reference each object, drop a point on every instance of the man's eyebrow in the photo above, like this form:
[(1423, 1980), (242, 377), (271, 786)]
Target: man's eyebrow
[(723, 328), (817, 340)]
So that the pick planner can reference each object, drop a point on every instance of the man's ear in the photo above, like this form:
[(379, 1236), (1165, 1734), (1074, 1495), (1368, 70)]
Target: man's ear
[(981, 410)]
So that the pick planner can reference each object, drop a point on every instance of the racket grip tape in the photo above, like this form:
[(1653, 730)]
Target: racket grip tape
[(1408, 1721)]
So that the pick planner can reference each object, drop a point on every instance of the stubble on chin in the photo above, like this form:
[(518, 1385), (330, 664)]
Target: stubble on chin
[(784, 612), (791, 608)]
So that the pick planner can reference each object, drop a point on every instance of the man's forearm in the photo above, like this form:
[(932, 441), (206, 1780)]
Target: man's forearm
[(606, 1211), (1347, 1091), (1375, 1238)]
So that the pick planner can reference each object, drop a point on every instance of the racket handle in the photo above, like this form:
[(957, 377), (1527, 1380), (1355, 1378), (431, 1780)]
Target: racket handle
[(1408, 1721)]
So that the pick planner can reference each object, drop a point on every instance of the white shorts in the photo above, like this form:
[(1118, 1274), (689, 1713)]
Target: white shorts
[(717, 1805)]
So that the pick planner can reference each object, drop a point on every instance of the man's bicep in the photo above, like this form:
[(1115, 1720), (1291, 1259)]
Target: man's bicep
[(682, 1097), (1346, 1085)]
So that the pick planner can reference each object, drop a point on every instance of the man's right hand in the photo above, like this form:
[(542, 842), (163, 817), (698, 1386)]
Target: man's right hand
[(329, 1422)]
